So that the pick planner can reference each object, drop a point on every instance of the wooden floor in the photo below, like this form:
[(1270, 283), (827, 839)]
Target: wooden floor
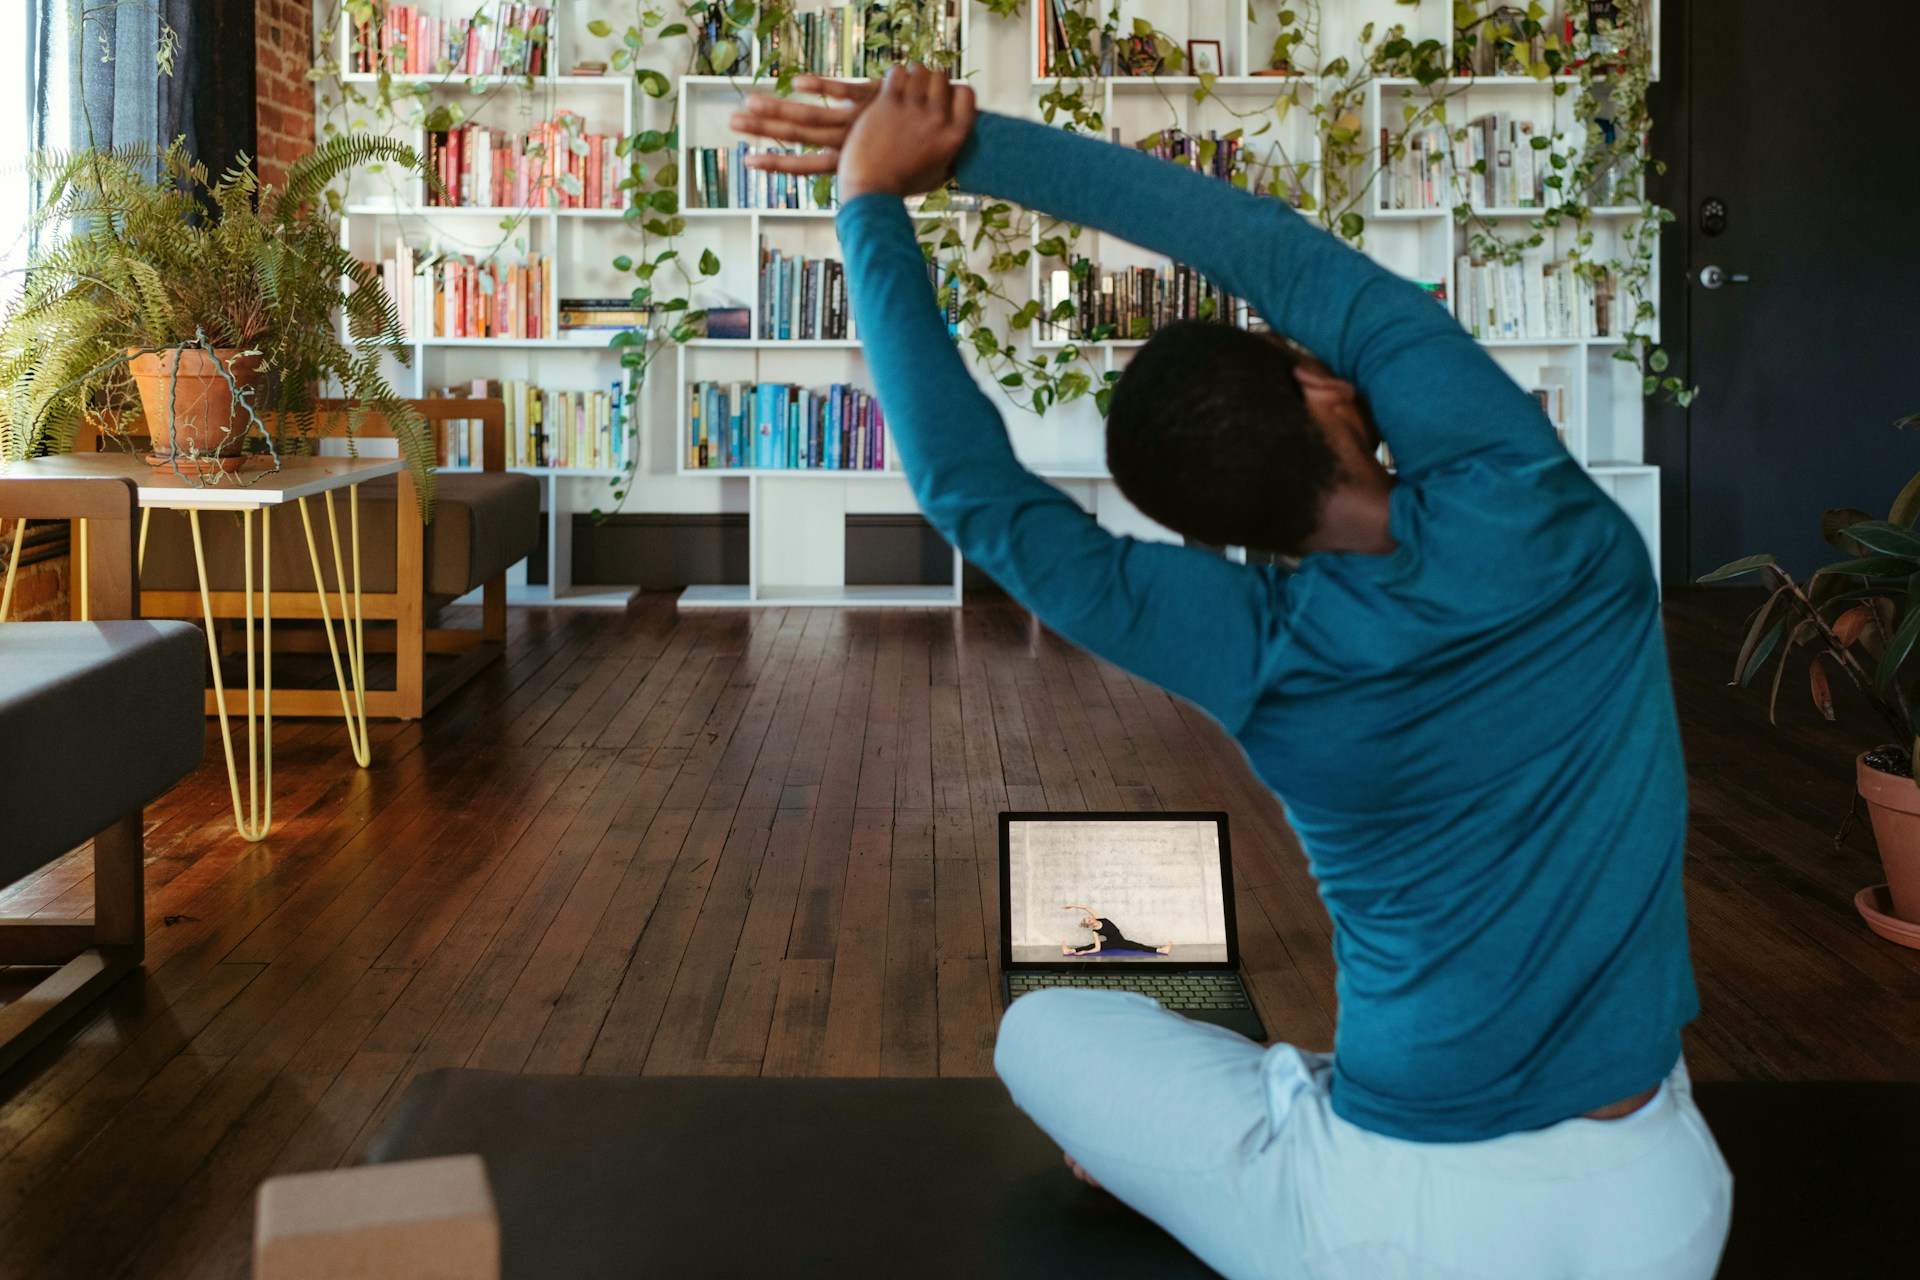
[(743, 843)]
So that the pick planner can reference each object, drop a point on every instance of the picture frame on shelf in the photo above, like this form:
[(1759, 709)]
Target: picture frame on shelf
[(1204, 58)]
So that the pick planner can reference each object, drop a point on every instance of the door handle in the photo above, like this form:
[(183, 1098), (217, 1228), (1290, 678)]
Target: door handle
[(1714, 277)]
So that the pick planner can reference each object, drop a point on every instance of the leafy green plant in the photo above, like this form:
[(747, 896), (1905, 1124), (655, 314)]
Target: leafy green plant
[(150, 264), (1859, 616)]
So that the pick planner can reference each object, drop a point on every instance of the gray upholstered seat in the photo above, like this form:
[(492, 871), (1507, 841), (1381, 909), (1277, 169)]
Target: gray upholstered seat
[(96, 720), (484, 522)]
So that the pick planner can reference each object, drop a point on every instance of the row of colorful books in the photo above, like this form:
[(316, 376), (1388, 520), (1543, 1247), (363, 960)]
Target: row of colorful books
[(1130, 303), (777, 425), (1495, 164), (720, 179), (1537, 297), (448, 296), (403, 40), (588, 430), (1214, 155), (553, 165), (802, 299), (857, 41)]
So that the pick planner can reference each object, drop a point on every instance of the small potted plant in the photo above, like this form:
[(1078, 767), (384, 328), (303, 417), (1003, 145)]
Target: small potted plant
[(1859, 618), (207, 306)]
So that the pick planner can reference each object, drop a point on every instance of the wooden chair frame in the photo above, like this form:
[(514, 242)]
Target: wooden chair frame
[(92, 953), (413, 695)]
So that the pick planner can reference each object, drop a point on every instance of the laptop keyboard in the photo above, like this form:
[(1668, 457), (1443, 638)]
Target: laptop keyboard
[(1173, 990)]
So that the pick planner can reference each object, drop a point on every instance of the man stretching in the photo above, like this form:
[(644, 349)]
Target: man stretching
[(1460, 693)]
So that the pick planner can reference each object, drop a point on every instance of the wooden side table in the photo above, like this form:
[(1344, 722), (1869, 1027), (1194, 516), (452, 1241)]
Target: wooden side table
[(256, 492)]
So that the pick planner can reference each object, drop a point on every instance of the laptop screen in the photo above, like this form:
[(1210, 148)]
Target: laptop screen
[(1099, 889)]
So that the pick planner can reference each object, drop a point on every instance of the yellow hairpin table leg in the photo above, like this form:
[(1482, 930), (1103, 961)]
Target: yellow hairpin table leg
[(352, 678), (13, 563), (255, 818)]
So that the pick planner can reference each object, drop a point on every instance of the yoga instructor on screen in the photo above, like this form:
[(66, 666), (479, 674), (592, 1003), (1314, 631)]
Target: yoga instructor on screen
[(1456, 683), (1106, 937)]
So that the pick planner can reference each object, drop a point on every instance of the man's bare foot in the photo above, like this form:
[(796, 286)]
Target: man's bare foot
[(1166, 950), (1078, 1172)]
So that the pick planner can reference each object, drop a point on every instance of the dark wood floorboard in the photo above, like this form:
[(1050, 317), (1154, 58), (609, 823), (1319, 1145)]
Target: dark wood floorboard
[(764, 843)]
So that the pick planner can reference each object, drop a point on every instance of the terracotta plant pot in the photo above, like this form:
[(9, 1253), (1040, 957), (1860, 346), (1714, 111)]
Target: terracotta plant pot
[(193, 414), (1894, 802)]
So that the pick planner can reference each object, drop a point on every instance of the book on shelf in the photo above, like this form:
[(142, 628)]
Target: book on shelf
[(553, 165), (449, 296), (1212, 155), (1551, 390), (729, 322), (1535, 298), (585, 430), (599, 316), (780, 426), (1130, 303), (1500, 167), (801, 299), (1102, 54), (1415, 175), (404, 40), (720, 179), (855, 41)]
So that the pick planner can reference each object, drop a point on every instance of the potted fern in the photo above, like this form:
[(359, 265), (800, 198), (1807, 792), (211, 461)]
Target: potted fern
[(1858, 617), (206, 306)]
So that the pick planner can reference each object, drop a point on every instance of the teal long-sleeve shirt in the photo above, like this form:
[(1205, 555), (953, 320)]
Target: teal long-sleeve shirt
[(1473, 735)]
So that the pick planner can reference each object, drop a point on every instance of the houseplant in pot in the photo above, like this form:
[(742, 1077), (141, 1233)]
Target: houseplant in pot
[(1857, 618), (208, 306)]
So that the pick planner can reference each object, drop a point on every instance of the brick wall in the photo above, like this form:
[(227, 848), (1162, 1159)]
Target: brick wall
[(39, 589), (283, 43)]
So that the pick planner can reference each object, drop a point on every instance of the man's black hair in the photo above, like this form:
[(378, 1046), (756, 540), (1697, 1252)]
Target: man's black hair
[(1208, 433)]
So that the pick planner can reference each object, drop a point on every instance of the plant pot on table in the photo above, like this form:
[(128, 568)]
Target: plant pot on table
[(192, 412)]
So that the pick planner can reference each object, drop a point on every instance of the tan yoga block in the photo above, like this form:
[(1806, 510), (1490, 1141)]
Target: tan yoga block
[(417, 1219)]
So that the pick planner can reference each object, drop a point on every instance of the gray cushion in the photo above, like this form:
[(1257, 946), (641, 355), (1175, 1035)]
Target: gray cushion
[(483, 523), (96, 720)]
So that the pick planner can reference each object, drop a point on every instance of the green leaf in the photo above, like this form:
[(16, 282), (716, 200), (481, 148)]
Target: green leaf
[(672, 29), (1901, 646), (1835, 521), (653, 83), (1758, 634), (709, 263), (1907, 506), (623, 263), (1760, 653), (1887, 538), (1869, 567), (600, 28), (1737, 568)]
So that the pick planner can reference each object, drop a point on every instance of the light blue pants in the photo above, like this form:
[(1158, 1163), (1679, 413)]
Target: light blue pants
[(1236, 1151)]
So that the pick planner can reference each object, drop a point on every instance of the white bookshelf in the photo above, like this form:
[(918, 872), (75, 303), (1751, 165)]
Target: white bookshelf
[(381, 209), (797, 518)]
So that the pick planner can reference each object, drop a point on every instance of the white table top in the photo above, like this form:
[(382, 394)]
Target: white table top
[(162, 486)]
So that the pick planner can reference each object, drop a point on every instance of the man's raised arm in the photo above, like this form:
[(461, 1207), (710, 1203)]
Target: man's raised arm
[(1185, 619), (1433, 391)]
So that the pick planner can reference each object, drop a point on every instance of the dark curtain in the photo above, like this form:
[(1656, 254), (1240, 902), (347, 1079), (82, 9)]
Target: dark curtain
[(209, 99), (119, 96)]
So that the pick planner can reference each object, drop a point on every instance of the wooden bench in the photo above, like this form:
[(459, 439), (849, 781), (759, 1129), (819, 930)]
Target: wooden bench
[(97, 719)]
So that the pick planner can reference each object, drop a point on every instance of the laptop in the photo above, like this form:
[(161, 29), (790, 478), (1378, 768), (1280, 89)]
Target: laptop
[(1124, 902)]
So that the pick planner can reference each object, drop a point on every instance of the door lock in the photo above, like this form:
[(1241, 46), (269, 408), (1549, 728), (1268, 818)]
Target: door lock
[(1714, 277)]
